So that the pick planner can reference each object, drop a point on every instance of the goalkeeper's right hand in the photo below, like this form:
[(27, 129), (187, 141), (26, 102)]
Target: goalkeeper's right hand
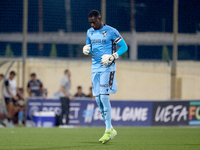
[(86, 49)]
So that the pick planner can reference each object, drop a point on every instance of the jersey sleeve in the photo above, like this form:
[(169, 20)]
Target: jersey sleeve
[(88, 39), (122, 47), (116, 37)]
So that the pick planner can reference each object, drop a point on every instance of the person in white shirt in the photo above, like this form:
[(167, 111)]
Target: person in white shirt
[(10, 96)]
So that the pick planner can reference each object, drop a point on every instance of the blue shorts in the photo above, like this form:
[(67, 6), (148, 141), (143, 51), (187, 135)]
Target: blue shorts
[(103, 83)]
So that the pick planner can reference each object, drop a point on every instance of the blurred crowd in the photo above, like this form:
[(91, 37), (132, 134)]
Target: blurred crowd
[(15, 102)]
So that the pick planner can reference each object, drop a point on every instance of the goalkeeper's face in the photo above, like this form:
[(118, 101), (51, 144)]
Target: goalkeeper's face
[(95, 22)]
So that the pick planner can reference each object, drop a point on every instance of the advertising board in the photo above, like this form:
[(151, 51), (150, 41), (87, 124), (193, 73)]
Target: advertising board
[(170, 113), (86, 112), (194, 113)]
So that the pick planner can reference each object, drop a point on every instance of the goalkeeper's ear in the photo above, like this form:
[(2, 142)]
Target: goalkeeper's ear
[(99, 18)]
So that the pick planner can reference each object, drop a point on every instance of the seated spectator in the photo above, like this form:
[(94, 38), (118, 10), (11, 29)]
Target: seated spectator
[(21, 106), (56, 95), (90, 93), (34, 87), (79, 92), (45, 93), (1, 112), (19, 109), (1, 77)]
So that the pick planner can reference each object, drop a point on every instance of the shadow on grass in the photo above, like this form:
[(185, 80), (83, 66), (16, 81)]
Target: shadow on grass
[(98, 143), (178, 144), (84, 145)]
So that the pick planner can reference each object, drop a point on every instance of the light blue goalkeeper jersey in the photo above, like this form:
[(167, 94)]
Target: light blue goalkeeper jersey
[(103, 41)]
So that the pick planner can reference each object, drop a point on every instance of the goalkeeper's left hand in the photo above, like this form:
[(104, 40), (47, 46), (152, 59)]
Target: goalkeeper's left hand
[(108, 59)]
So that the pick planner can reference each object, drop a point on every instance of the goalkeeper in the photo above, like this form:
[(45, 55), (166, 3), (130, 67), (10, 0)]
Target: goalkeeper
[(101, 43)]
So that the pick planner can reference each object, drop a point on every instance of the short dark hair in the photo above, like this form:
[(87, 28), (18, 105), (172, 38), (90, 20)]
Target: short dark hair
[(94, 13), (66, 71), (79, 87), (1, 75), (12, 73), (33, 75)]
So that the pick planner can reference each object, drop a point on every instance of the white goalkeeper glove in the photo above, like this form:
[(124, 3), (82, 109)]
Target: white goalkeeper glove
[(86, 49), (108, 59)]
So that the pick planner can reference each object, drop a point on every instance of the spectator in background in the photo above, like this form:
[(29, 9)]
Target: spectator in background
[(56, 95), (45, 93), (21, 106), (1, 77), (34, 87), (90, 93), (79, 92), (10, 96), (65, 95)]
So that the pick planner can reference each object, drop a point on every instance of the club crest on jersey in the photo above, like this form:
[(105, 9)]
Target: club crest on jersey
[(104, 33)]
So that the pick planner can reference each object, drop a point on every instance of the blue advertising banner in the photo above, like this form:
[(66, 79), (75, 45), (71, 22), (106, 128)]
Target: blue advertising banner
[(86, 112), (124, 113)]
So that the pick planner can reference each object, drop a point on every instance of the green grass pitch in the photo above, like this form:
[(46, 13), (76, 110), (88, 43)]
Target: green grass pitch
[(86, 138)]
